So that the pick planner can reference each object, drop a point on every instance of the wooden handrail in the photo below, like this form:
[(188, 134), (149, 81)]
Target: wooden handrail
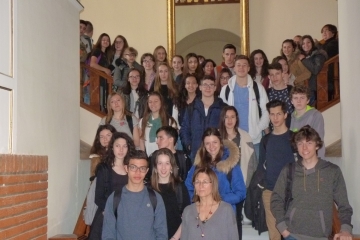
[(94, 77), (323, 101), (202, 2)]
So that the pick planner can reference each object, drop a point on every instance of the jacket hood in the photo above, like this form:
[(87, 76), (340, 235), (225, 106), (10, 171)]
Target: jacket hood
[(318, 52), (230, 158), (309, 111)]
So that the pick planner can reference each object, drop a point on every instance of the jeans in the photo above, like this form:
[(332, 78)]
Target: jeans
[(257, 150), (289, 238)]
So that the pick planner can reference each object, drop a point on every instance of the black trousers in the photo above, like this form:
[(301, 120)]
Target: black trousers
[(239, 218), (96, 226)]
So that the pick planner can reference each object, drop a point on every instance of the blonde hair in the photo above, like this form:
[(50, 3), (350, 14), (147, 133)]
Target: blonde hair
[(214, 183), (110, 113), (171, 84)]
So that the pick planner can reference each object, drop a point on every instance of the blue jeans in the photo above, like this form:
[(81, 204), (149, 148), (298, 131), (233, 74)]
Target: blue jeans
[(290, 238), (257, 150)]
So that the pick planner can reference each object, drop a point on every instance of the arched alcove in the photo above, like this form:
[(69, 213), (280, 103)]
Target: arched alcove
[(207, 42)]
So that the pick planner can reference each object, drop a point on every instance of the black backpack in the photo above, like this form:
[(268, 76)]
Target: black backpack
[(256, 91), (117, 198)]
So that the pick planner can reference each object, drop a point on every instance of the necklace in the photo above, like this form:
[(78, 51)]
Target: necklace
[(199, 225)]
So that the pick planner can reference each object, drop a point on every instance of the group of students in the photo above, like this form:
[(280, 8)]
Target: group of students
[(196, 133)]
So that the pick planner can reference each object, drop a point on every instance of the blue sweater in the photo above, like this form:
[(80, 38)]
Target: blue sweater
[(231, 192), (136, 217), (195, 123)]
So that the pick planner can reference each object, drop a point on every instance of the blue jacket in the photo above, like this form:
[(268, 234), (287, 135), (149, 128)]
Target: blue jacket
[(195, 123), (231, 192)]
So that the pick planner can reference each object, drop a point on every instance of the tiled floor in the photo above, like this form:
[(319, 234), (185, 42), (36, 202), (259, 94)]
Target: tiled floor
[(251, 234)]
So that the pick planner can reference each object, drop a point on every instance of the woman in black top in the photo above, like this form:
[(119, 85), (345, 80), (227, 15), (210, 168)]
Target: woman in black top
[(110, 175), (166, 182)]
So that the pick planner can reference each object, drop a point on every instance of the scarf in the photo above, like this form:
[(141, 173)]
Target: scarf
[(155, 125)]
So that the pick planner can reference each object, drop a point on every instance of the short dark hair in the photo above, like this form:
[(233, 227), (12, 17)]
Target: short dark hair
[(83, 22), (229, 46), (331, 28), (170, 132), (275, 65), (89, 27), (309, 134), (300, 89), (239, 57), (206, 61), (207, 77), (276, 103), (138, 154)]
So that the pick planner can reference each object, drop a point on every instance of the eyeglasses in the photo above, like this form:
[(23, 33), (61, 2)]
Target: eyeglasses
[(207, 85), (134, 77), (134, 168), (130, 55), (147, 61), (204, 183)]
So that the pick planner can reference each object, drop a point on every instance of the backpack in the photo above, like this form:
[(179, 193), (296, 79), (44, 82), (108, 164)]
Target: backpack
[(256, 91), (289, 182), (91, 207), (117, 198)]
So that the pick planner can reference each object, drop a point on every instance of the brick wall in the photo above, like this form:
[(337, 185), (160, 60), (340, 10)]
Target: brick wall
[(23, 196)]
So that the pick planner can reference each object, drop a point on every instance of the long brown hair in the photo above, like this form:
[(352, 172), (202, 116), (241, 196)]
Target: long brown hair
[(174, 175), (97, 148), (171, 84), (162, 114), (214, 183), (110, 113), (206, 159), (222, 128)]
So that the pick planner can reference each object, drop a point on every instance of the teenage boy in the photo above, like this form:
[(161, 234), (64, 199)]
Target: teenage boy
[(201, 114), (279, 90), (166, 137), (315, 185), (275, 153), (137, 207), (249, 99), (305, 114), (229, 53)]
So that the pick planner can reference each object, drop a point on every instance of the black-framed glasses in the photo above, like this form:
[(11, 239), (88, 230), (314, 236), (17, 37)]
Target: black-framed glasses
[(134, 168)]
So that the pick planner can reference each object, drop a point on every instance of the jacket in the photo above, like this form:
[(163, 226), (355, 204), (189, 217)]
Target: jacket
[(297, 68), (195, 123), (254, 207), (122, 70), (248, 161), (256, 125), (314, 192), (314, 64), (231, 192)]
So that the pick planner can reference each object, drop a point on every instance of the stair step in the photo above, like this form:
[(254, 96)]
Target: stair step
[(334, 150), (84, 150)]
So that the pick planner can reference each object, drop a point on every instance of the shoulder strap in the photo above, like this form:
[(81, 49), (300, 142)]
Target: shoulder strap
[(190, 109), (289, 87), (227, 91), (116, 202), (130, 122), (152, 197), (289, 183), (257, 95)]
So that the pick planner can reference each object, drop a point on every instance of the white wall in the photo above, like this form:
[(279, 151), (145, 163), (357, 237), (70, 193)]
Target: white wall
[(273, 21), (332, 119), (88, 125), (142, 22), (46, 111), (349, 89)]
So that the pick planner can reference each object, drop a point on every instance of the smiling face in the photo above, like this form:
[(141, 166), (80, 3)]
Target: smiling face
[(224, 78), (284, 65), (306, 45), (134, 79), (154, 103), (116, 103), (191, 84), (177, 64), (120, 148), (207, 88), (105, 136), (287, 49), (105, 42), (242, 68), (326, 33), (192, 64), (163, 166), (212, 145), (258, 60), (307, 149), (148, 63)]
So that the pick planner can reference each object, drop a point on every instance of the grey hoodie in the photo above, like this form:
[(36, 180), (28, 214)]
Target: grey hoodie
[(311, 117), (314, 192)]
